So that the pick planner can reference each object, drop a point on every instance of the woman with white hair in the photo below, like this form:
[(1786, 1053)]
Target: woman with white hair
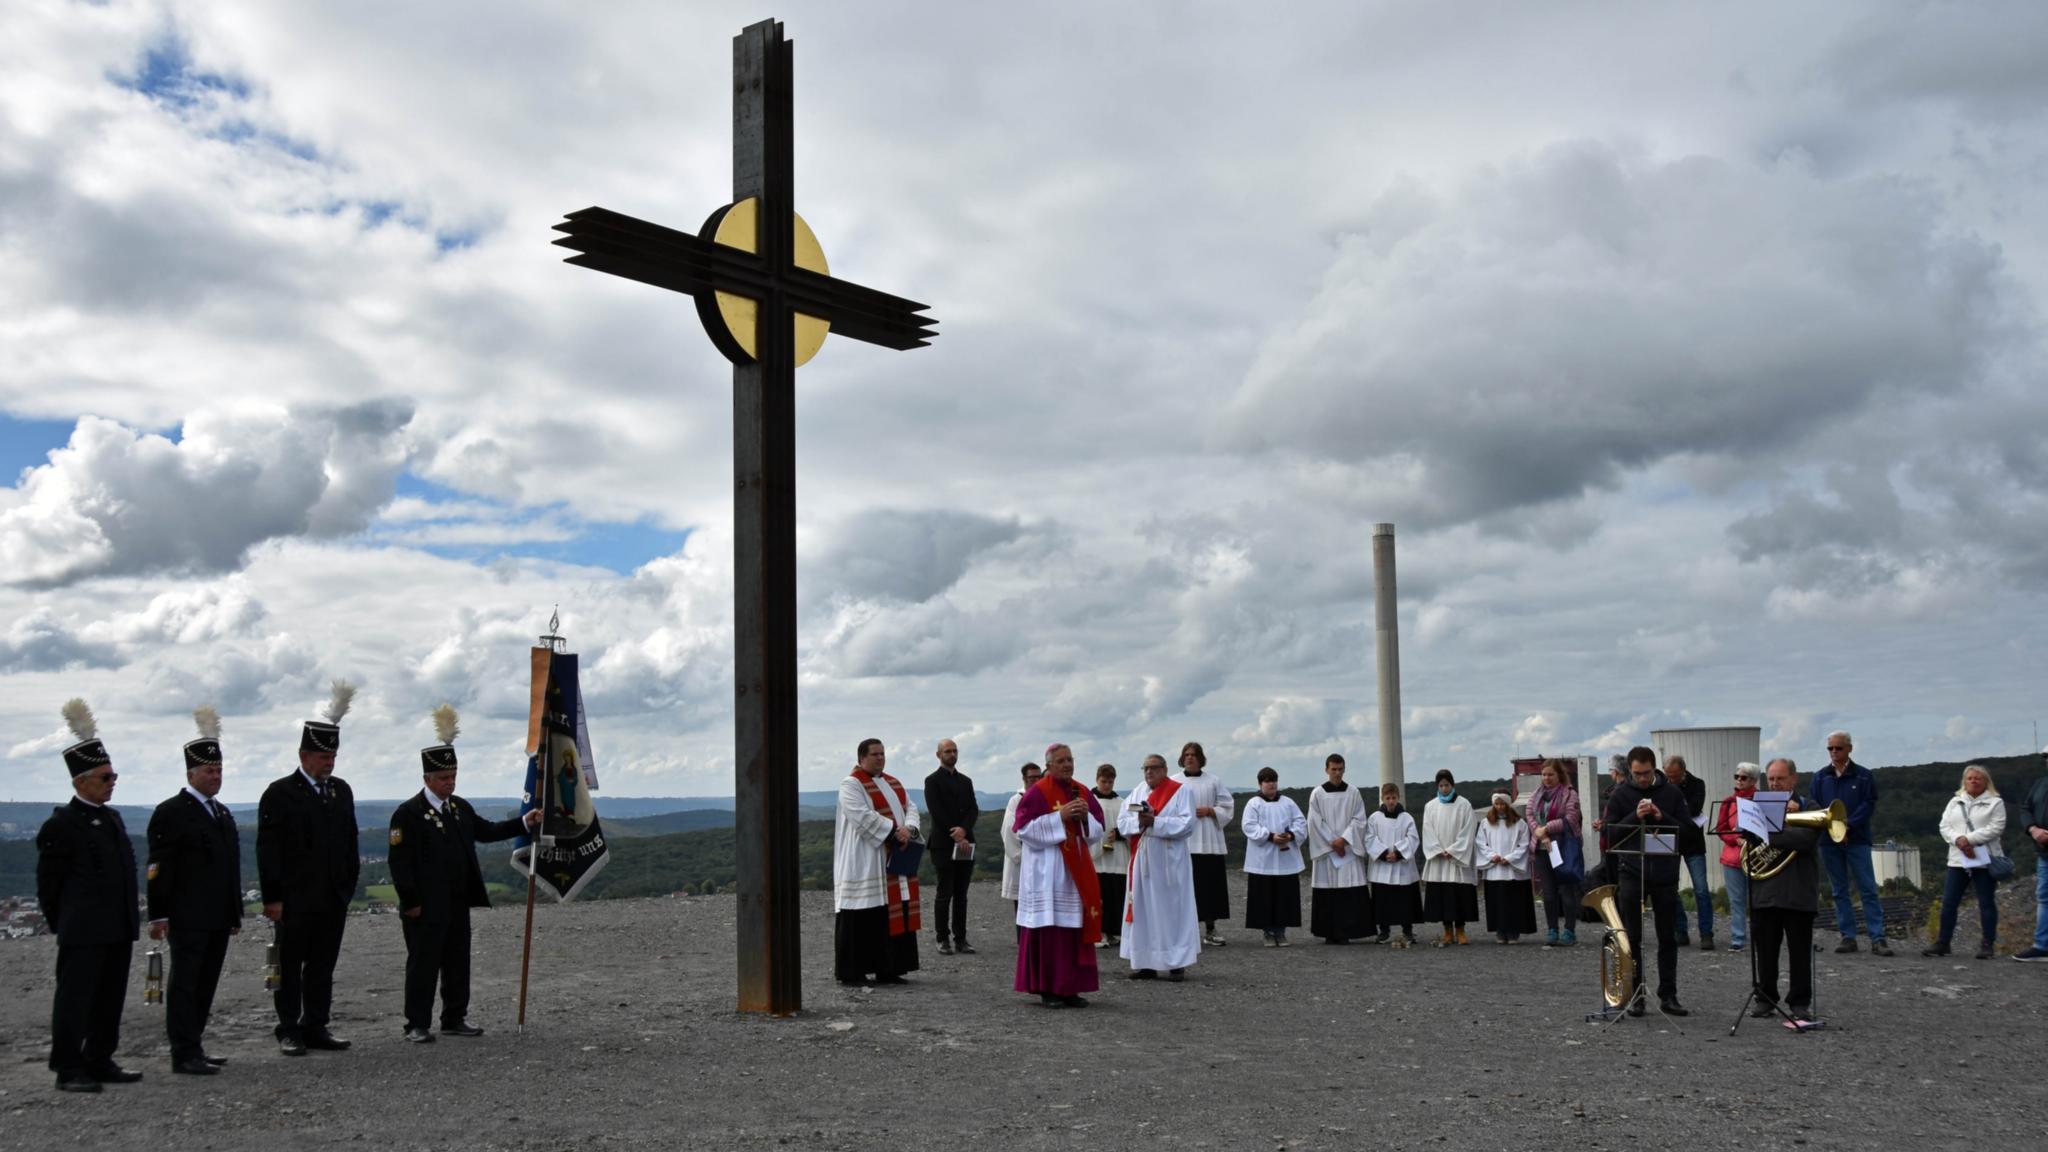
[(1973, 823), (1734, 878)]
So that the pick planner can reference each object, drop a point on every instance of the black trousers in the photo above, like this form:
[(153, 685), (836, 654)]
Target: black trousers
[(949, 919), (196, 960), (436, 951), (1212, 887), (1665, 907), (85, 1019), (1112, 903), (307, 947), (1767, 928)]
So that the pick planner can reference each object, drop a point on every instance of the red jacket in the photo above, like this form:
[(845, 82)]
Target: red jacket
[(1724, 825)]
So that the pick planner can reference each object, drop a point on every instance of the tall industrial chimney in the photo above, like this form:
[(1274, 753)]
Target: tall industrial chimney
[(1386, 629)]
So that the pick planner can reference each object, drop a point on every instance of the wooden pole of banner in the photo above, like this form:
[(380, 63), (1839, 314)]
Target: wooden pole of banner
[(543, 665)]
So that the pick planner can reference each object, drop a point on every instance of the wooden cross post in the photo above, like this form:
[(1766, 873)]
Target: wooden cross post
[(767, 300)]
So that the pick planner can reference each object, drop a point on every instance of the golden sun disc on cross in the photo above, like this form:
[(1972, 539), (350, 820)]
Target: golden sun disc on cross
[(738, 229)]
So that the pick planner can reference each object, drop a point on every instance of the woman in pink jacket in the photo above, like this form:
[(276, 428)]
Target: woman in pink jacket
[(1554, 817)]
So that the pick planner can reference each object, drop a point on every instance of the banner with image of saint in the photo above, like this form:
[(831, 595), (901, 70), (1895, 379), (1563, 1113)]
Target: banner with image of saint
[(560, 775)]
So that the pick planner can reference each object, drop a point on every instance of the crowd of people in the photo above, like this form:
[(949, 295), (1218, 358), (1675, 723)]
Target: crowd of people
[(308, 865), (1143, 872)]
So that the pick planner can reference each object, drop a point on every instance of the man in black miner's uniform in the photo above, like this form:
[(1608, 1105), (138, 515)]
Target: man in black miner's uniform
[(195, 895), (307, 863), (85, 879), (433, 866)]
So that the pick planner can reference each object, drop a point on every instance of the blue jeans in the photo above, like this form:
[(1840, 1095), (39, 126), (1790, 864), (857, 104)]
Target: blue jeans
[(1841, 860), (1952, 898), (1736, 882), (1702, 899), (2041, 902)]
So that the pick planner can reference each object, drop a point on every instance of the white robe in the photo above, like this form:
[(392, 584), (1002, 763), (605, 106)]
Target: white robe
[(1448, 827), (1046, 895), (1013, 848), (1113, 854), (1398, 833), (1262, 818), (1508, 841), (1336, 816), (1160, 899), (859, 849), (1208, 791)]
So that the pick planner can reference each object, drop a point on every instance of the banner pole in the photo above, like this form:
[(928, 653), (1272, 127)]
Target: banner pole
[(533, 842)]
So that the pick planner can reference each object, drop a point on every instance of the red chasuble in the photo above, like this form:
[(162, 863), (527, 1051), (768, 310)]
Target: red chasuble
[(904, 916)]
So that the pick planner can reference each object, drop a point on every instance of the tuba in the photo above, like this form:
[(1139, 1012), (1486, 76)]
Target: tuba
[(1617, 955), (1762, 861)]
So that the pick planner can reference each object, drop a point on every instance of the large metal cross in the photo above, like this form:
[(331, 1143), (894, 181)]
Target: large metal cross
[(767, 300)]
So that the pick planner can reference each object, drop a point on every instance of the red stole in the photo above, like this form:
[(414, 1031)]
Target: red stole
[(1157, 799), (1080, 866), (904, 918)]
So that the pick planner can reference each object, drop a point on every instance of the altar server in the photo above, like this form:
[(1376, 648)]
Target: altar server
[(1112, 857), (876, 913), (1160, 927), (1449, 893), (1391, 840), (1208, 848), (1501, 846), (1059, 898), (1340, 894), (1013, 848), (1273, 831)]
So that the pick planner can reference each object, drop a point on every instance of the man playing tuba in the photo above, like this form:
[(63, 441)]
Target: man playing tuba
[(1783, 904)]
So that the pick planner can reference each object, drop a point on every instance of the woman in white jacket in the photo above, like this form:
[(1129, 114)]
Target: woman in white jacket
[(1973, 824)]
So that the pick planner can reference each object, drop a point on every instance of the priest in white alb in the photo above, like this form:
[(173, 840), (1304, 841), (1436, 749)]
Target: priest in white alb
[(1161, 932), (1450, 885), (876, 914), (1059, 897), (1340, 893)]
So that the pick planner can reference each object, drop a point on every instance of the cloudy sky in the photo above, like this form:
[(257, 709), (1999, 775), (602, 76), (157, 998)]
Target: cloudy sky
[(1696, 351)]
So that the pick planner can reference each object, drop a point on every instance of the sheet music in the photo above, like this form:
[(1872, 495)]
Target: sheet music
[(1660, 843), (1763, 815)]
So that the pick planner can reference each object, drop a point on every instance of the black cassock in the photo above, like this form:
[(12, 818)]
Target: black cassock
[(195, 882), (85, 881), (434, 868)]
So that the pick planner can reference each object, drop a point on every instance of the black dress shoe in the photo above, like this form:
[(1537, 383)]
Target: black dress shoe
[(113, 1074), (326, 1041), (945, 947), (216, 1061), (291, 1046), (1177, 975), (196, 1066), (1144, 974), (890, 980), (1636, 1008), (1672, 1007), (461, 1028), (77, 1082), (1051, 1001), (1074, 1001), (964, 948), (1763, 1010), (418, 1036)]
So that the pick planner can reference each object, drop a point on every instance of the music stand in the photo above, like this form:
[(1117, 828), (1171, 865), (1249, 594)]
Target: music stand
[(1648, 840), (1776, 820)]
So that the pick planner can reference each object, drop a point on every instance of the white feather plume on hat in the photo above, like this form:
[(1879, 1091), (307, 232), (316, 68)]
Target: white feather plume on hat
[(445, 727), (337, 704), (207, 717), (78, 715)]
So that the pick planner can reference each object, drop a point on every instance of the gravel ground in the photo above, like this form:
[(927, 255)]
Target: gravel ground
[(632, 1042)]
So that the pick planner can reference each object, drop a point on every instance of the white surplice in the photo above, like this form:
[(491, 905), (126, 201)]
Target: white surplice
[(1398, 833), (1262, 819), (1510, 841), (1208, 791), (1448, 827), (1336, 816), (1162, 932), (1113, 854), (1046, 896), (1013, 848), (859, 849)]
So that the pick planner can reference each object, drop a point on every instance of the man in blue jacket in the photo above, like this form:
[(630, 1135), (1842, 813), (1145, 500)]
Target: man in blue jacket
[(2035, 815), (1845, 780)]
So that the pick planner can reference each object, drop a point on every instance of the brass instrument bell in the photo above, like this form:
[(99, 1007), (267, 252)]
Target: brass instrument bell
[(1617, 955), (1763, 861)]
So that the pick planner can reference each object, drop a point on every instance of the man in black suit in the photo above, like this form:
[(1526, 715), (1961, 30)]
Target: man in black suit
[(433, 865), (307, 863), (1644, 803), (949, 797), (195, 896), (85, 879)]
